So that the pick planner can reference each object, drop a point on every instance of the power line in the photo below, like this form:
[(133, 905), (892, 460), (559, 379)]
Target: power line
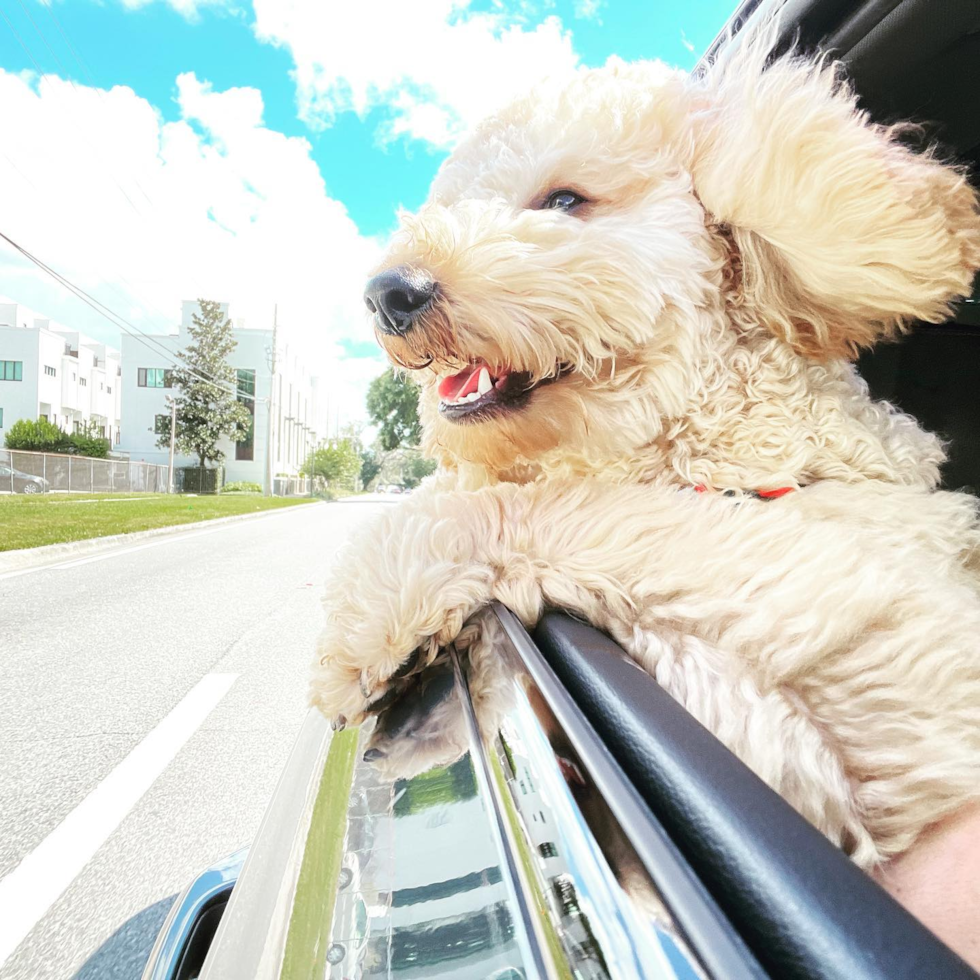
[(123, 324), (103, 166), (98, 306)]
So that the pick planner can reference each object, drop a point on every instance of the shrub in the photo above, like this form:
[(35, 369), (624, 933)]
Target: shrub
[(241, 486), (83, 445), (39, 435)]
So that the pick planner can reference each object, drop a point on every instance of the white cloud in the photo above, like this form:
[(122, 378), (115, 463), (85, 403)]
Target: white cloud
[(687, 44), (435, 65), (588, 9), (190, 9), (143, 213)]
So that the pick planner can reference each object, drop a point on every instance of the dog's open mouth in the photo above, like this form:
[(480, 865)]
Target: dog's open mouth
[(479, 391)]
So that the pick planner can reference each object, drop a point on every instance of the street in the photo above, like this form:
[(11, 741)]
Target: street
[(96, 653)]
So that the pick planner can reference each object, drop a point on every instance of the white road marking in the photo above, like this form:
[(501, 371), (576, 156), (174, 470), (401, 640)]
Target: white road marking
[(28, 891)]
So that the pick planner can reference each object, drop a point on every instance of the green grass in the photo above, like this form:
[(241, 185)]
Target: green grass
[(308, 939), (29, 521)]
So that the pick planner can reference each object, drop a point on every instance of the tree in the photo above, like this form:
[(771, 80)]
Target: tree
[(207, 407), (393, 405), (417, 467), (336, 462), (370, 466)]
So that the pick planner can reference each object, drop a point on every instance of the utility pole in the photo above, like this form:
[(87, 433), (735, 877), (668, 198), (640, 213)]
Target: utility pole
[(270, 435), (173, 440)]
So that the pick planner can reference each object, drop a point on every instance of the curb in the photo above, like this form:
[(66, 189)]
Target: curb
[(12, 561)]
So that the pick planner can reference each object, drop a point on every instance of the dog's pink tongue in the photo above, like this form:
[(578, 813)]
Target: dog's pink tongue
[(460, 385)]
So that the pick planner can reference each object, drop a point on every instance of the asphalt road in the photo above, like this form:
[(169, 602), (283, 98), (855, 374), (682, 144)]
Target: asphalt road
[(95, 654)]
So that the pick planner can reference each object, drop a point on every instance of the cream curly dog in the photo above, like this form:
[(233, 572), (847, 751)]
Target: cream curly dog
[(625, 296)]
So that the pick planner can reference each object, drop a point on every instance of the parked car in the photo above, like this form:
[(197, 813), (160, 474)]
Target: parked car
[(595, 829), (16, 481)]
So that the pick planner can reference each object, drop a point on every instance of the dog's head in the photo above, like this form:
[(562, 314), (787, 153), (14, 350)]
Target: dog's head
[(590, 252)]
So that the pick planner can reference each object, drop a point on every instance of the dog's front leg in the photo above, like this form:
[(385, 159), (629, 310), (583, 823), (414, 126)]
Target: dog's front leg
[(397, 593), (404, 589)]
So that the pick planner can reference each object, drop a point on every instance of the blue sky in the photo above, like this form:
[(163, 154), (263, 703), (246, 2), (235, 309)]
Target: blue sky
[(290, 81)]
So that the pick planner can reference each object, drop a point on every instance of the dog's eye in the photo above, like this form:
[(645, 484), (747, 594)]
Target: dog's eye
[(563, 200)]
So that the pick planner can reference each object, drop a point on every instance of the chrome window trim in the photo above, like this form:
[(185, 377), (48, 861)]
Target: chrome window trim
[(536, 952), (607, 895), (721, 950), (171, 941)]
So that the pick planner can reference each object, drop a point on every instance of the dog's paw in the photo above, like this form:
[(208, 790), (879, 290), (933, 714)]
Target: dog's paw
[(349, 685)]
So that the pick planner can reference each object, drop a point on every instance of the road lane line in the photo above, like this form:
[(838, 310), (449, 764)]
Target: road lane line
[(28, 891)]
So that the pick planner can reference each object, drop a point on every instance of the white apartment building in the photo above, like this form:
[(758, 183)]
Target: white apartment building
[(298, 409), (50, 371)]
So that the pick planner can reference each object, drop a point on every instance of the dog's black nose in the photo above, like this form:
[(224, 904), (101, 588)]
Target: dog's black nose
[(397, 297)]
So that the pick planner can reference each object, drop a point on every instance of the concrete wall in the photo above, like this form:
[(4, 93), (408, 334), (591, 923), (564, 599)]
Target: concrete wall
[(76, 392), (18, 399)]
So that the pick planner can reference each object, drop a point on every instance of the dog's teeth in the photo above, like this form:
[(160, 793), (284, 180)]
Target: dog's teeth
[(484, 384), (472, 396)]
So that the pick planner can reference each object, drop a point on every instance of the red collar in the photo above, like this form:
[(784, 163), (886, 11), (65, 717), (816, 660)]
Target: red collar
[(758, 494)]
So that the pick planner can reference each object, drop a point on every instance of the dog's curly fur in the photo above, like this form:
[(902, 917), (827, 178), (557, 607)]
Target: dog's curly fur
[(745, 233)]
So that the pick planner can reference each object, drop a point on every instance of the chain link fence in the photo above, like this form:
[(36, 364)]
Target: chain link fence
[(26, 472)]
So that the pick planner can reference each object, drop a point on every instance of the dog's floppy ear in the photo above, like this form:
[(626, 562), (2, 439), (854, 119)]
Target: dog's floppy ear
[(841, 234)]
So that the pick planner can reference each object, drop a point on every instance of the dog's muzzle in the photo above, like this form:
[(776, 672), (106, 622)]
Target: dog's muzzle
[(398, 297)]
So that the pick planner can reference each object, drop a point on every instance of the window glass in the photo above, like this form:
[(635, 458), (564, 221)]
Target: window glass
[(153, 378), (245, 448)]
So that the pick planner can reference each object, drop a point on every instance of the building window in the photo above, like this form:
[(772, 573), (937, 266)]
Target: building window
[(153, 378), (78, 426), (11, 370), (161, 425), (50, 371), (548, 849), (43, 416), (101, 386), (108, 391), (83, 382), (1, 418), (245, 449)]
